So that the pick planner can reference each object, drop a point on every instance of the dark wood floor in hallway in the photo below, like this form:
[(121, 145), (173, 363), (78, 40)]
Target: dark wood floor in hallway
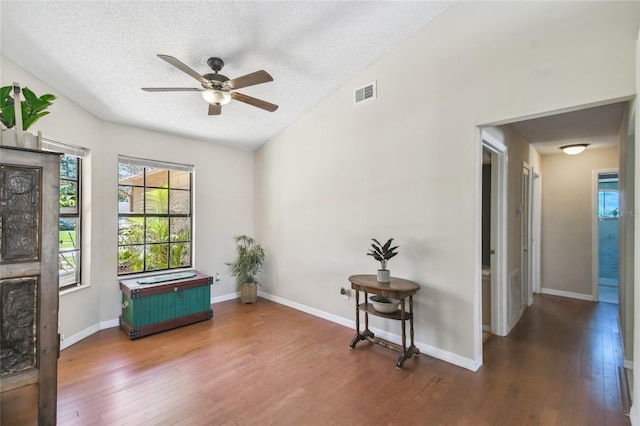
[(270, 364)]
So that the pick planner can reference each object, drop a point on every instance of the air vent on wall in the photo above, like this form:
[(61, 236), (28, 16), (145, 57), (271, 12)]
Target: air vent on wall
[(365, 93)]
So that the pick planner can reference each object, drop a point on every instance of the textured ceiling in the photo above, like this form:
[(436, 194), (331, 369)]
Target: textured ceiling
[(597, 126), (100, 53)]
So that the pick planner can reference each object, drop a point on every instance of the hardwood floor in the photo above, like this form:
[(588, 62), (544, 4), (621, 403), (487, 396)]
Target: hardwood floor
[(270, 364)]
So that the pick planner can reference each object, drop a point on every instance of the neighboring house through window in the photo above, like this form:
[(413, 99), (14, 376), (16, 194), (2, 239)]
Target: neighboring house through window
[(154, 215)]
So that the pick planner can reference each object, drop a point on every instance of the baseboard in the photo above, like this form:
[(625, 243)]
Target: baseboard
[(429, 350), (628, 364), (569, 294), (72, 340), (625, 396), (486, 327), (225, 297)]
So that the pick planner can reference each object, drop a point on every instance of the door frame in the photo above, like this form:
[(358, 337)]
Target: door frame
[(499, 320), (536, 228), (525, 236)]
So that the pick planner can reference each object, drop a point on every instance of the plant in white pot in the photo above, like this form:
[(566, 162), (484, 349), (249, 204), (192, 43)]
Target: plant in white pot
[(382, 253), (31, 109), (247, 266)]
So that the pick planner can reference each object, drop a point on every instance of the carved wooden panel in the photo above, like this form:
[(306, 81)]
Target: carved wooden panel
[(18, 315), (19, 213)]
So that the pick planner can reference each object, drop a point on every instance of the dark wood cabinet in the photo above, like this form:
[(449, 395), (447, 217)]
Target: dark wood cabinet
[(29, 214)]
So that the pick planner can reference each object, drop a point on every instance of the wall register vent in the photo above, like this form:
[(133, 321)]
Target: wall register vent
[(365, 93)]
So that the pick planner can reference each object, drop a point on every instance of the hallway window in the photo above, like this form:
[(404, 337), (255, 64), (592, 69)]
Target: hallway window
[(608, 197)]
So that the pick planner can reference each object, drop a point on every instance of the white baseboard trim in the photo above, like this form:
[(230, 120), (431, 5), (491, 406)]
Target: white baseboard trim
[(628, 364), (569, 294), (72, 340), (486, 327), (304, 308), (634, 416), (225, 297), (429, 350)]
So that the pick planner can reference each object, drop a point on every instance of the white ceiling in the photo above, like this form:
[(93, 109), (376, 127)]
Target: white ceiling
[(597, 126), (100, 53)]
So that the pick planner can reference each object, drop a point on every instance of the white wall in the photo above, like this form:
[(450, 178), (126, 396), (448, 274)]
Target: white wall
[(567, 220), (223, 193), (408, 164)]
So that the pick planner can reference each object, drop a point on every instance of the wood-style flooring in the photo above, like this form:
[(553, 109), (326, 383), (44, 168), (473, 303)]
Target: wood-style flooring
[(269, 364)]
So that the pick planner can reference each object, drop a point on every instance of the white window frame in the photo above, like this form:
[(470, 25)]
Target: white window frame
[(157, 164), (70, 281)]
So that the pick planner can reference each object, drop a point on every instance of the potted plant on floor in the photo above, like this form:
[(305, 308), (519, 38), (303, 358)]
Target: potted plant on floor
[(382, 253), (247, 266), (32, 108)]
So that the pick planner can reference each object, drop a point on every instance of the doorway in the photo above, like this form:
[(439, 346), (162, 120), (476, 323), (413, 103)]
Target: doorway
[(608, 205), (493, 295)]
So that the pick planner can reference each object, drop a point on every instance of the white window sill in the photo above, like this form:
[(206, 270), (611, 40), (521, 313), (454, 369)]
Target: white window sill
[(74, 289)]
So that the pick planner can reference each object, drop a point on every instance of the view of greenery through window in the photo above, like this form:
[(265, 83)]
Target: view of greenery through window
[(154, 218), (69, 241)]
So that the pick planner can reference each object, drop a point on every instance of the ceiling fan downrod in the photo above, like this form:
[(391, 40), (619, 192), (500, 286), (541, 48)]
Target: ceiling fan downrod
[(215, 64)]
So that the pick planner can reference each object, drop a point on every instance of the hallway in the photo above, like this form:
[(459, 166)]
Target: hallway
[(571, 351)]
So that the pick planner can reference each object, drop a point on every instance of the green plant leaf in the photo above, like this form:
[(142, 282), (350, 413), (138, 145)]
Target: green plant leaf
[(27, 122), (8, 117), (47, 98), (29, 96), (5, 97), (389, 255)]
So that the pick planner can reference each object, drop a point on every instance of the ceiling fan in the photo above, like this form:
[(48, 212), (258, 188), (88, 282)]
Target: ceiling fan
[(217, 89)]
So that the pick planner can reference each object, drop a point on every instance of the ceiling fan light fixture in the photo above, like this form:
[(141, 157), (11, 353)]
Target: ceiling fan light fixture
[(574, 149), (216, 97)]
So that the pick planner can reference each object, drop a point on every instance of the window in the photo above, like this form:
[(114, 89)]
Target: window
[(154, 215), (69, 247), (608, 197)]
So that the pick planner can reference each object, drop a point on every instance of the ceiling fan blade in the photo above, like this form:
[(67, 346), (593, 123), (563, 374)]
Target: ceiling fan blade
[(254, 102), (215, 109), (171, 89), (182, 67), (252, 79)]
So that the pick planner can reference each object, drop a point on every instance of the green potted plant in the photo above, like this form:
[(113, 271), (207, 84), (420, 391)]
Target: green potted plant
[(32, 107), (382, 253), (247, 266)]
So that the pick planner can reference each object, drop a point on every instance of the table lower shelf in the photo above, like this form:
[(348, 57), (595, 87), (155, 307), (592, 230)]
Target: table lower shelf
[(397, 315), (405, 353)]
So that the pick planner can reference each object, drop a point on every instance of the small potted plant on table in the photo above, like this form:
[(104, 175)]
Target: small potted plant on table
[(247, 266), (382, 253)]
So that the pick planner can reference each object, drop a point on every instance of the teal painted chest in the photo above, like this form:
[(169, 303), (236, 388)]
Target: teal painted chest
[(154, 304)]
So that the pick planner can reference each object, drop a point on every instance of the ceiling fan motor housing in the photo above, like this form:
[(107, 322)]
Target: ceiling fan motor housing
[(216, 80), (215, 64)]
